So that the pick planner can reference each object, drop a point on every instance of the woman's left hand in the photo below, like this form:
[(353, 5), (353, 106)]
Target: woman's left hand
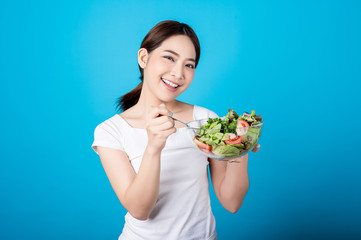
[(256, 148)]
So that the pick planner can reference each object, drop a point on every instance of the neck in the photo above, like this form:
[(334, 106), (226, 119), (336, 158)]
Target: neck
[(147, 100)]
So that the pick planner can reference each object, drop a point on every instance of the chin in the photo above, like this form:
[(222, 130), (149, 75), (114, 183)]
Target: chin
[(167, 99)]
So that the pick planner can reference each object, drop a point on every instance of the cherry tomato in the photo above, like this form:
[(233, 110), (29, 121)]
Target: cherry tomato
[(202, 145), (234, 141), (242, 127)]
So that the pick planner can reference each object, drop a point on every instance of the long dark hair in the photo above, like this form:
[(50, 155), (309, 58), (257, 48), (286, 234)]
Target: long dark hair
[(152, 40)]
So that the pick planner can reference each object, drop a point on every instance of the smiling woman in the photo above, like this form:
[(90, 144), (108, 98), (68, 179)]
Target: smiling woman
[(167, 68), (155, 171), (158, 37)]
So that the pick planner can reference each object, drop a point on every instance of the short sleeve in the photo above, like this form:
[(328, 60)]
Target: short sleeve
[(108, 135)]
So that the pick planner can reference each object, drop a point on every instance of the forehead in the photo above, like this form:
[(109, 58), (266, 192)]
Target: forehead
[(180, 44)]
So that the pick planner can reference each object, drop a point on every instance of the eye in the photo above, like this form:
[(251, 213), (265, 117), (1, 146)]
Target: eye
[(169, 58), (190, 66)]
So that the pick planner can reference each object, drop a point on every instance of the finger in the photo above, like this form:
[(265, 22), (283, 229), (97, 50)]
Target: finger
[(170, 131), (256, 148), (153, 113), (160, 120), (164, 107), (164, 125), (158, 111), (161, 132)]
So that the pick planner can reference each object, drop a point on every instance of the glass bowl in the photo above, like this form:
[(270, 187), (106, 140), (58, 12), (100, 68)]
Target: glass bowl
[(234, 145)]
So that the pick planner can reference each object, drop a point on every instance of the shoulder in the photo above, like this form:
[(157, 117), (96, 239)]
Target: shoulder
[(113, 126), (110, 133)]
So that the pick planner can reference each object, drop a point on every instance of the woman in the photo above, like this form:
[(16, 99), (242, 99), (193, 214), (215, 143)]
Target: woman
[(158, 176)]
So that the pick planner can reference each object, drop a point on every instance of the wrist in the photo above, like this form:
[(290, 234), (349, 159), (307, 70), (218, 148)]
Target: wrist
[(151, 151)]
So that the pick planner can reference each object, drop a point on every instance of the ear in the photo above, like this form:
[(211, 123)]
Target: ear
[(142, 57)]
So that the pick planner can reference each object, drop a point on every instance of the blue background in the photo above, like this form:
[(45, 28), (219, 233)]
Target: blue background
[(297, 63)]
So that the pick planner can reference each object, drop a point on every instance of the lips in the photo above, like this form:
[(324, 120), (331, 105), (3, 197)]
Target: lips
[(169, 87), (170, 83)]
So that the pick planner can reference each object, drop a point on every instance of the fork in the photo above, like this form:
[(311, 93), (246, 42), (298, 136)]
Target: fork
[(186, 124)]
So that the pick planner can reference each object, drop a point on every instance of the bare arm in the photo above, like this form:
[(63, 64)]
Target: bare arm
[(230, 182), (138, 193)]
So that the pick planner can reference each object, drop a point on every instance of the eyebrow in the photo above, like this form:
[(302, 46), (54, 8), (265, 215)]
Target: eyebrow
[(171, 51)]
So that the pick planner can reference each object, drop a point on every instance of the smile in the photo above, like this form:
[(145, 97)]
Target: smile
[(170, 83)]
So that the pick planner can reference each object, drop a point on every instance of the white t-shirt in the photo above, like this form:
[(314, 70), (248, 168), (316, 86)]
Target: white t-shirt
[(183, 209)]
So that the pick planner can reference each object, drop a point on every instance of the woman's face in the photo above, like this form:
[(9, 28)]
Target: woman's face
[(169, 69)]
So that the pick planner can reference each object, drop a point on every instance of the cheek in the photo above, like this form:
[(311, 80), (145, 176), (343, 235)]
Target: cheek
[(189, 75), (161, 65)]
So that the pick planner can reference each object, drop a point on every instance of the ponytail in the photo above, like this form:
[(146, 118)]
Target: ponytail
[(130, 99)]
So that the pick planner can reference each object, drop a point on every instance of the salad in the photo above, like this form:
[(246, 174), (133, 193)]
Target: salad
[(231, 135)]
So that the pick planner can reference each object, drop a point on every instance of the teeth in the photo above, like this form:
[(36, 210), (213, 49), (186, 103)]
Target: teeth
[(170, 83)]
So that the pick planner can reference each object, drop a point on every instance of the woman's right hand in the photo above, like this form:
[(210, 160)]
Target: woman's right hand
[(160, 126)]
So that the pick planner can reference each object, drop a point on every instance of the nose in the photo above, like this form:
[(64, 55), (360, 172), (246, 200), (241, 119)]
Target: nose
[(177, 71)]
